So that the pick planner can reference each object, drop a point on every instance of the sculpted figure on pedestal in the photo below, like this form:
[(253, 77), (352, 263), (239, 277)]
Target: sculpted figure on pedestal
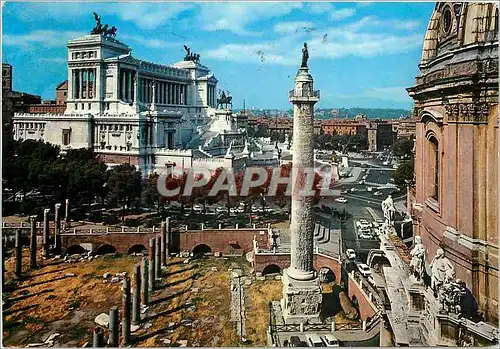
[(305, 56), (417, 259), (388, 209), (442, 271)]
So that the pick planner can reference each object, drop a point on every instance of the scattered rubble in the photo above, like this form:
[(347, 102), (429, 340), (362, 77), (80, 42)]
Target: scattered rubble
[(70, 274), (182, 342), (166, 341), (106, 275), (134, 328), (148, 325), (214, 268), (186, 261)]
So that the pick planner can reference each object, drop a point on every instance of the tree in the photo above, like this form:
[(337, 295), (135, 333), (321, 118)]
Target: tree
[(403, 147), (403, 176), (124, 185)]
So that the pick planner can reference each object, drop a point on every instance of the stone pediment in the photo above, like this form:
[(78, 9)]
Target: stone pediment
[(128, 59)]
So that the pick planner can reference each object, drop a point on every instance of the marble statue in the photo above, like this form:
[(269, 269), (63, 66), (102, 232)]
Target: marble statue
[(388, 209), (451, 296), (417, 259), (442, 271)]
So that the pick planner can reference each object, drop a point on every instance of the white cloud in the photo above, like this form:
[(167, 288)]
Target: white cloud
[(235, 17), (319, 7), (148, 15), (47, 38), (342, 13), (293, 27), (249, 53), (395, 93), (143, 15), (329, 43), (149, 42), (54, 60)]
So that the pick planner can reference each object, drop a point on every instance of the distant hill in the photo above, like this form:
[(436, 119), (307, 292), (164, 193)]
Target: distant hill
[(329, 113), (371, 113)]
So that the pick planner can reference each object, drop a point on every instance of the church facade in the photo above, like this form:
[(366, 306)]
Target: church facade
[(456, 164), (126, 109)]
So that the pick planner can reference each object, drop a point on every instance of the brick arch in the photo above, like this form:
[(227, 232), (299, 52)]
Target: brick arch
[(106, 248), (329, 273), (201, 249), (137, 248), (272, 269), (75, 249)]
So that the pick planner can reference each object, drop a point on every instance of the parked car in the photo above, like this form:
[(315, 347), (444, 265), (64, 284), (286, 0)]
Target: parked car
[(375, 224), (331, 341), (296, 342), (362, 181), (365, 235), (341, 200), (363, 224), (364, 270), (313, 340), (350, 253), (370, 189), (353, 190), (378, 193)]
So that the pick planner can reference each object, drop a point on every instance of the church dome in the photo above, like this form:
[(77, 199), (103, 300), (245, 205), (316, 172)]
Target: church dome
[(455, 25)]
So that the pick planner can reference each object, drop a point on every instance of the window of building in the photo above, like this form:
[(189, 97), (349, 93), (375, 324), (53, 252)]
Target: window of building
[(89, 105), (65, 94), (66, 136), (434, 161)]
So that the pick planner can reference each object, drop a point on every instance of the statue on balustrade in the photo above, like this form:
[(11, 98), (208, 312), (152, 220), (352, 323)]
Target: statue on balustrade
[(388, 209), (417, 260), (442, 271)]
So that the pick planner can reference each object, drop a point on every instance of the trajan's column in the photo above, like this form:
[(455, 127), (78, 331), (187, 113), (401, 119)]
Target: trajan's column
[(302, 296)]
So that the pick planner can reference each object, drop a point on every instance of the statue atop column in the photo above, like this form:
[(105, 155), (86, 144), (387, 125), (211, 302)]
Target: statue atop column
[(417, 260), (388, 209), (305, 56)]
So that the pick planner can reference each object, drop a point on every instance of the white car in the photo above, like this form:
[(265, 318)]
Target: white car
[(341, 200), (375, 224), (350, 253), (365, 236), (370, 189), (363, 224), (353, 190), (330, 340), (378, 193), (364, 270)]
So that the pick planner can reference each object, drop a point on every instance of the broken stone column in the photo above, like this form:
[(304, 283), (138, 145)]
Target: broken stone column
[(46, 233), (158, 257), (33, 242), (152, 264), (145, 281), (168, 236), (136, 299), (163, 231), (113, 327), (19, 254), (126, 311), (57, 229), (66, 213), (98, 339)]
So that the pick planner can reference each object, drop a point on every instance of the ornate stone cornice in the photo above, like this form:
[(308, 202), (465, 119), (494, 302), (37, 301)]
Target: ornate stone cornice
[(467, 112)]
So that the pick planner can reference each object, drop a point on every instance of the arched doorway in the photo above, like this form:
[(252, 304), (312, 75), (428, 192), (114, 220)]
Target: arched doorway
[(201, 249), (106, 249), (327, 275), (271, 269), (138, 249), (75, 249)]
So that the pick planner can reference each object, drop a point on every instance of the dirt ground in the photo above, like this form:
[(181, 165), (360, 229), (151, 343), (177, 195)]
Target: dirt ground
[(191, 303)]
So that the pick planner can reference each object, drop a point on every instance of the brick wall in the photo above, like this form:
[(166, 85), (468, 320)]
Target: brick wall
[(227, 241)]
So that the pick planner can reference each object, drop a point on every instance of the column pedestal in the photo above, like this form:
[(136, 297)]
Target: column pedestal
[(301, 302)]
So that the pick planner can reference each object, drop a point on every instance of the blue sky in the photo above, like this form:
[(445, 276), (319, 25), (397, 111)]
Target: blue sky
[(361, 54)]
